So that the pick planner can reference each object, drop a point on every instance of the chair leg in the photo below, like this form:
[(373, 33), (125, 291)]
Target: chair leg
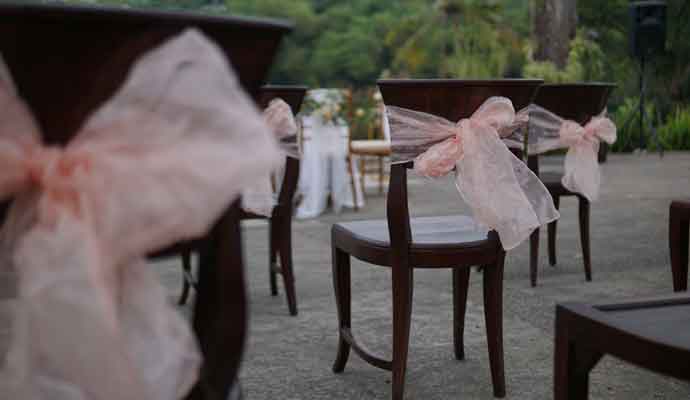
[(402, 315), (572, 366), (381, 170), (461, 278), (351, 167), (584, 236), (273, 240), (362, 171), (285, 253), (552, 227), (678, 243), (341, 286), (533, 256), (493, 313), (186, 271)]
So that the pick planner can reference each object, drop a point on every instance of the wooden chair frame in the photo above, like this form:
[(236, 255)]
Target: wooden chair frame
[(578, 102), (402, 255), (679, 224), (40, 44), (280, 221)]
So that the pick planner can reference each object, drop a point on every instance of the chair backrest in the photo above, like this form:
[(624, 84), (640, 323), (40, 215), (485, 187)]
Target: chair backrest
[(293, 95), (67, 60), (575, 101), (448, 98)]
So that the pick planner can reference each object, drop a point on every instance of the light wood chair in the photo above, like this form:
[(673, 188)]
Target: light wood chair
[(377, 146)]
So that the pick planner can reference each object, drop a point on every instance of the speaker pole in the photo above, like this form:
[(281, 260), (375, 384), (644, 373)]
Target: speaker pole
[(642, 109)]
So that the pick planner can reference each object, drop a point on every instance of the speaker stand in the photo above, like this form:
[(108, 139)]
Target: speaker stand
[(644, 119)]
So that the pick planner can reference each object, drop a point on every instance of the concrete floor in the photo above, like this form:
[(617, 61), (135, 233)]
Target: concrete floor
[(290, 357)]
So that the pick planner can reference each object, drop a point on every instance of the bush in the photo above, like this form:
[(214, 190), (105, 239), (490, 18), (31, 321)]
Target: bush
[(627, 119), (675, 133)]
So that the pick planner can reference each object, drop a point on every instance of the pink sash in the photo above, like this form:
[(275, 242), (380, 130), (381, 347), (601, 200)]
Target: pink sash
[(502, 192), (156, 164), (548, 131)]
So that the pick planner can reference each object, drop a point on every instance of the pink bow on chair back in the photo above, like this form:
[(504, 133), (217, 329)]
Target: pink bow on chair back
[(259, 198), (548, 131), (156, 164), (501, 191)]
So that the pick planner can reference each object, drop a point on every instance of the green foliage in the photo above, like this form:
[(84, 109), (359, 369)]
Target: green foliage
[(352, 43), (586, 62), (627, 119), (675, 133), (455, 38)]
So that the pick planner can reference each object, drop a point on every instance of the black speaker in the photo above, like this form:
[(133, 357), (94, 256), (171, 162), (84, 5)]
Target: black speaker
[(648, 28)]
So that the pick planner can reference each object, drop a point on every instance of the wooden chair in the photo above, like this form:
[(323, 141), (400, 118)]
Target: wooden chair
[(404, 244), (679, 223), (280, 221), (650, 333), (377, 146), (578, 102), (67, 60)]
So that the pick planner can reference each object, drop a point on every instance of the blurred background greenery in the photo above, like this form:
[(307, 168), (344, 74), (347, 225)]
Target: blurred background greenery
[(350, 44)]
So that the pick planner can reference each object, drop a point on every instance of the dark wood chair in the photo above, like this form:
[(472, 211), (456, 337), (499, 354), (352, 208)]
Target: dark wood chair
[(578, 102), (67, 60), (280, 221), (404, 244), (679, 223), (651, 334)]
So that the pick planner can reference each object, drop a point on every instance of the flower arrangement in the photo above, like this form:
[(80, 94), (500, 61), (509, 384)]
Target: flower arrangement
[(326, 104)]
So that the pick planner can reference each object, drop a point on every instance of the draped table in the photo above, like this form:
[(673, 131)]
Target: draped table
[(324, 169)]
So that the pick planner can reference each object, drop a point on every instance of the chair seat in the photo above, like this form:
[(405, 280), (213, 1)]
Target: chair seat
[(369, 239), (373, 147), (650, 333)]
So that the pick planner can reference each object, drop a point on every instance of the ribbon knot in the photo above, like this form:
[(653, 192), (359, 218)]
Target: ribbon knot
[(492, 118)]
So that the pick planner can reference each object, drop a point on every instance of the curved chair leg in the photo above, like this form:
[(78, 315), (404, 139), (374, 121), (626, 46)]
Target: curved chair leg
[(402, 315), (584, 236), (353, 185), (186, 271), (273, 240), (493, 313), (341, 285), (461, 278), (533, 256), (381, 173), (678, 243), (285, 252), (552, 233)]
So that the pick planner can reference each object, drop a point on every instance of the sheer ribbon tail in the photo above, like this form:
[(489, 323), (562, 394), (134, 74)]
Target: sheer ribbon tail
[(499, 188)]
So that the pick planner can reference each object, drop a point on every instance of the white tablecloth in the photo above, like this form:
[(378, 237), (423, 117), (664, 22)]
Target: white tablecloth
[(324, 169)]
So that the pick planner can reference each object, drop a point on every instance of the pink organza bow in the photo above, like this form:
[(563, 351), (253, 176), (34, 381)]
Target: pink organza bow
[(582, 174), (501, 191), (259, 198), (157, 163), (548, 131)]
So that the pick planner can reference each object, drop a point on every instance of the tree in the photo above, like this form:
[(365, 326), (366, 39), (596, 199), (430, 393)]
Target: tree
[(555, 24), (454, 38)]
